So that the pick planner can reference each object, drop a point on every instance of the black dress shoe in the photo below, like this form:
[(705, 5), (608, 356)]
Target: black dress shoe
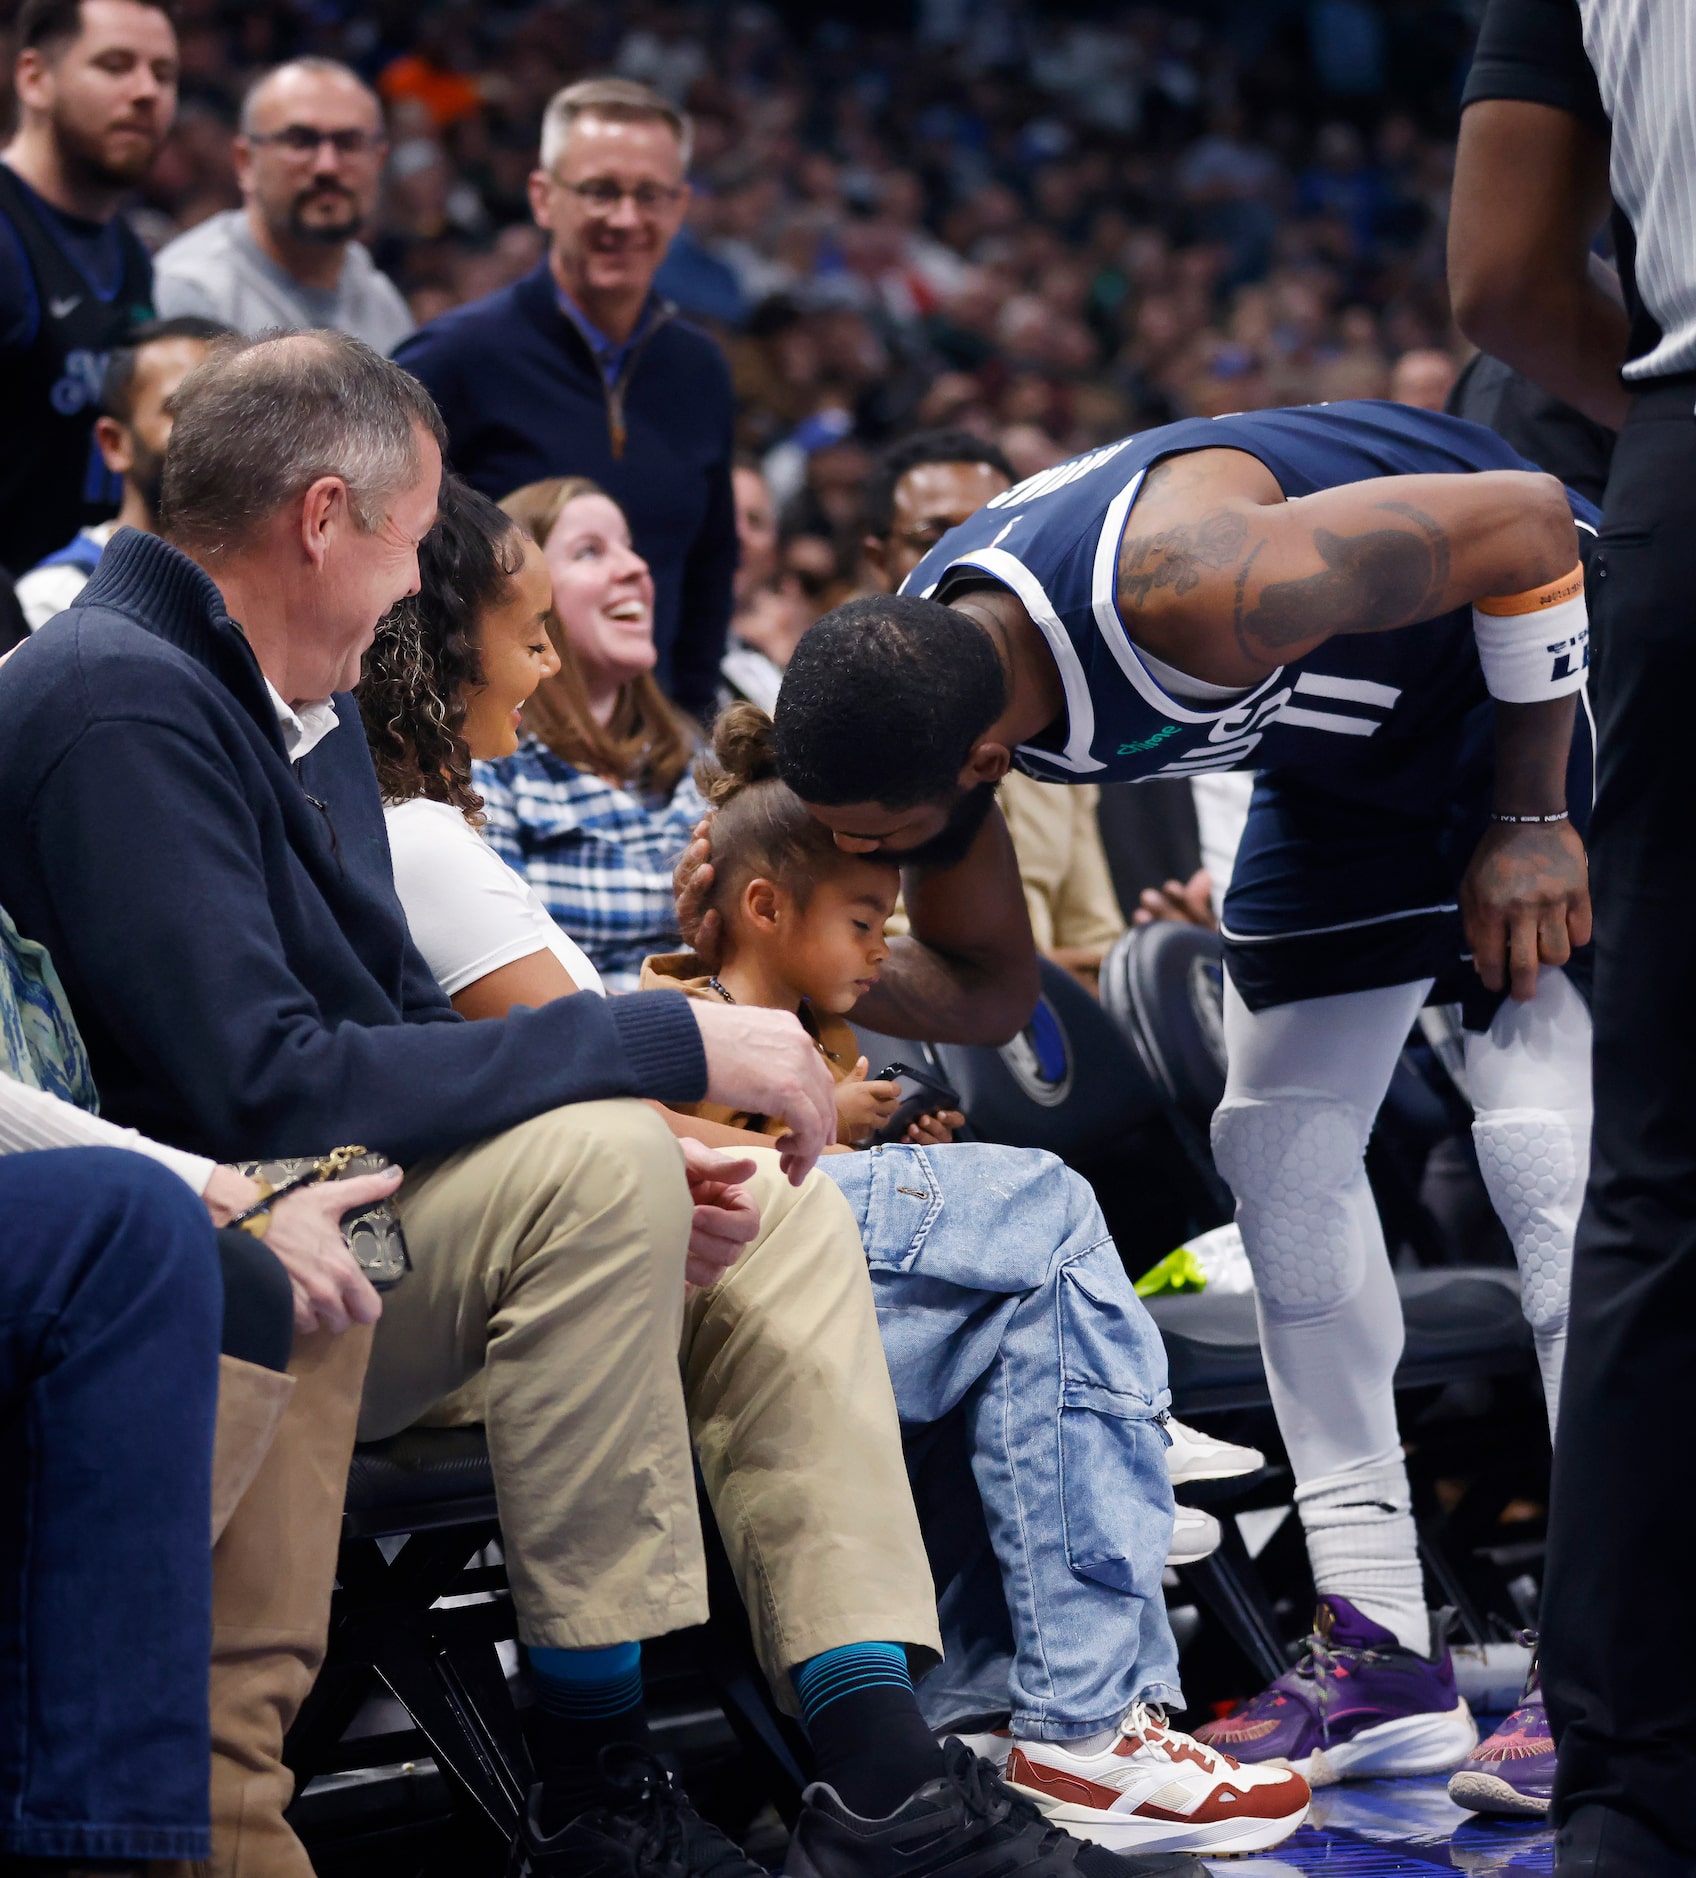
[(968, 1824), (1598, 1842), (644, 1828)]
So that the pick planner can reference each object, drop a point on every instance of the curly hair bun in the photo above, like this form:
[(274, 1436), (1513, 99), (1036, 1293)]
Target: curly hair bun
[(744, 752)]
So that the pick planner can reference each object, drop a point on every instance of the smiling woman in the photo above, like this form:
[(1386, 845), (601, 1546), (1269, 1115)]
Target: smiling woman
[(597, 802)]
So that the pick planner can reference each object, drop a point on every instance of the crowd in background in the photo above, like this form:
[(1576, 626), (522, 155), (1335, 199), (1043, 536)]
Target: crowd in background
[(1047, 230)]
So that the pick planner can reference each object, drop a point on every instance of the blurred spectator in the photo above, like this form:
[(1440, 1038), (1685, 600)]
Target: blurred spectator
[(771, 613), (924, 486), (96, 85), (1049, 232), (1423, 378), (309, 160), (131, 433), (582, 370)]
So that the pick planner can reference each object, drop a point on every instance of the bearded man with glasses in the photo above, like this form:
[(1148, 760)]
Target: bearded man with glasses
[(309, 159), (582, 369)]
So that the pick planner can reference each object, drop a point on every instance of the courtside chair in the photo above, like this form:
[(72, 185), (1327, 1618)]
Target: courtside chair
[(421, 1613)]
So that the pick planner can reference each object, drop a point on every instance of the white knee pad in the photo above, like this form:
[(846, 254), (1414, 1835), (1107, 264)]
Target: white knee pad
[(1294, 1160), (1534, 1163)]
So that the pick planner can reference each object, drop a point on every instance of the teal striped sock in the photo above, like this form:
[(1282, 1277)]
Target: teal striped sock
[(869, 1739), (586, 1700)]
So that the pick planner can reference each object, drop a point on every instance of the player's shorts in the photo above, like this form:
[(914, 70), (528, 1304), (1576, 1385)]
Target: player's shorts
[(1336, 891)]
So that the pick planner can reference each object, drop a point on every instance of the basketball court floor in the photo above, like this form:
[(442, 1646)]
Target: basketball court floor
[(1400, 1829)]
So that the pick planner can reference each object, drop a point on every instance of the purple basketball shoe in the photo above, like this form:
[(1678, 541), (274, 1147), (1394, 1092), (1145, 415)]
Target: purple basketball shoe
[(1513, 1773), (1358, 1706)]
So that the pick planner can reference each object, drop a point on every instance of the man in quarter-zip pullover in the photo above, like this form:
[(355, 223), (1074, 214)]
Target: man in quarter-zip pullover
[(581, 369)]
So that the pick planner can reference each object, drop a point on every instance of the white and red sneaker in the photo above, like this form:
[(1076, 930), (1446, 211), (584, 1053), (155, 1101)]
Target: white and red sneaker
[(1155, 1790)]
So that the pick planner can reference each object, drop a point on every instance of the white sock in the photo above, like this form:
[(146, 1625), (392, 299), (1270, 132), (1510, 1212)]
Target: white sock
[(1362, 1545), (1084, 1744), (1551, 1356)]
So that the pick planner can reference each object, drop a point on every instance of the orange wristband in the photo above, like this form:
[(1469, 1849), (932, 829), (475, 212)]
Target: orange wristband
[(1537, 600)]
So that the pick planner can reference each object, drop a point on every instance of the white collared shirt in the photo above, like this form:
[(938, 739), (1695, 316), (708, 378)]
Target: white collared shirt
[(302, 729)]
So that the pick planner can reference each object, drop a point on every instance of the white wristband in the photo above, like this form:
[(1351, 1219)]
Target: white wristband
[(1530, 652)]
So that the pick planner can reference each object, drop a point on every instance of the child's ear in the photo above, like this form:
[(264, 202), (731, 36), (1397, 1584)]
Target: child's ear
[(762, 903)]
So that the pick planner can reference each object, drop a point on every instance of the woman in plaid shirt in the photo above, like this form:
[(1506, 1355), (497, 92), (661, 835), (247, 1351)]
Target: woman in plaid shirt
[(598, 802)]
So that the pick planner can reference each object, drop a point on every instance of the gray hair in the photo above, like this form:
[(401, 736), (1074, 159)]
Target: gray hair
[(258, 422), (312, 63), (622, 100)]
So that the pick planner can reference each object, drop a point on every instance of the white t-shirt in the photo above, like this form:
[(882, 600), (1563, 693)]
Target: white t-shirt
[(469, 912)]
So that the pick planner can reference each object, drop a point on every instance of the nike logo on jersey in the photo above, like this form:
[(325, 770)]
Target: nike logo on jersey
[(62, 309)]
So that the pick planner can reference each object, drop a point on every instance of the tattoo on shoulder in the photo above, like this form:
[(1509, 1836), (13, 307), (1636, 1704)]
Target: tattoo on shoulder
[(1176, 557), (1370, 582)]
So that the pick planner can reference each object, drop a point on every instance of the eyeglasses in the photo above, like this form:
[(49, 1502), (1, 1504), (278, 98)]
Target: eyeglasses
[(925, 537), (307, 140), (602, 195)]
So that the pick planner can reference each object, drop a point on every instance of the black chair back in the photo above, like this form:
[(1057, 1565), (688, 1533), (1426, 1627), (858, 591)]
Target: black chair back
[(1163, 986), (1066, 1083)]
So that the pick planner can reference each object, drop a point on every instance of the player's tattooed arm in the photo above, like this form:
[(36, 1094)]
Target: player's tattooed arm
[(1224, 578), (1177, 558), (1368, 582)]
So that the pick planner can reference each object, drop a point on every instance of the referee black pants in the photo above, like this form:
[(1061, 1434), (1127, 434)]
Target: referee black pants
[(1619, 1603)]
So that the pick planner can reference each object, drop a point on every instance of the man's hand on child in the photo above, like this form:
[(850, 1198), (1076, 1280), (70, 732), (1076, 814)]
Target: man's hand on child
[(935, 1131), (862, 1108)]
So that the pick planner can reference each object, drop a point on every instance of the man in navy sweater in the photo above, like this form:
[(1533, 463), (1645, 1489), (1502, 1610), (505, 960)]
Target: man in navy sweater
[(580, 369), (194, 830)]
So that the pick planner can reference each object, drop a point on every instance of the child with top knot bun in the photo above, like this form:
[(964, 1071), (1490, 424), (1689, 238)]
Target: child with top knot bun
[(802, 925)]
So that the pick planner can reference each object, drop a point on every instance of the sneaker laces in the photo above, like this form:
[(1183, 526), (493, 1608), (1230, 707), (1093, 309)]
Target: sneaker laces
[(1146, 1721), (670, 1832), (991, 1802), (1534, 1675), (1314, 1673)]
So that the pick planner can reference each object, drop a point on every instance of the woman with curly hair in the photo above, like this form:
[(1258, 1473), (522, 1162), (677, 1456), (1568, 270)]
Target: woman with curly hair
[(445, 681), (597, 802)]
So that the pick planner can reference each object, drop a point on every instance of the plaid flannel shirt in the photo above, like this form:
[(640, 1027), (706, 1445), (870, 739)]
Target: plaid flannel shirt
[(598, 857)]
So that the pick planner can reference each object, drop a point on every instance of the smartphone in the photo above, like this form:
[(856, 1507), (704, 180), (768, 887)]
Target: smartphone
[(921, 1094)]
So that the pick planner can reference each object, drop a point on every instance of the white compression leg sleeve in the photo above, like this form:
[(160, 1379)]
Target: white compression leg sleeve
[(1529, 1078), (1304, 1085)]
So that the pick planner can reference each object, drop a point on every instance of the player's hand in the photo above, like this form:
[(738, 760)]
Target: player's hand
[(935, 1131), (864, 1108), (727, 1216), (1185, 902), (691, 883), (1526, 902), (765, 1062)]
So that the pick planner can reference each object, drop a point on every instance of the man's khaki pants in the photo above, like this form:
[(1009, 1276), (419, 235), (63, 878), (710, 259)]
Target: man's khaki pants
[(547, 1299), (548, 1265)]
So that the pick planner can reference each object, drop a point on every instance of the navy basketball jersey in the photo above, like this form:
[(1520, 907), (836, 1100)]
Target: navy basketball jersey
[(1361, 703)]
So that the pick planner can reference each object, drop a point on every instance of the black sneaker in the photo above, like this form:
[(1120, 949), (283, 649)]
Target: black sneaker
[(644, 1828), (965, 1825)]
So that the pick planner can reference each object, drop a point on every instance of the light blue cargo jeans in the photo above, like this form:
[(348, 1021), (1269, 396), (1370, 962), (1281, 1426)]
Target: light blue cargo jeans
[(1000, 1292)]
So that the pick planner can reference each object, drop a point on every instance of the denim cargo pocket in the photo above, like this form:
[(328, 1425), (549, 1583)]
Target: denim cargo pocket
[(1115, 1496), (895, 1196)]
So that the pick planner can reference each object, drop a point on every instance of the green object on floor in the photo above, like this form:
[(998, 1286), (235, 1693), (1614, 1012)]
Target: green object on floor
[(1177, 1271)]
